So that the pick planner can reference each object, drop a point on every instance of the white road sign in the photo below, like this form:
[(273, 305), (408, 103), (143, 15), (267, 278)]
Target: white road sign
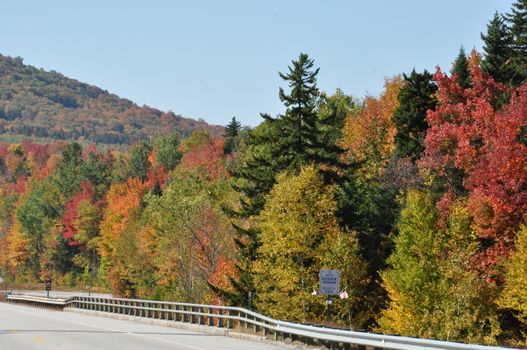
[(329, 282)]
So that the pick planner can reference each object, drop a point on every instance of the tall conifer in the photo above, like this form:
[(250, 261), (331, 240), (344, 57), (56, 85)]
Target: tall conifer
[(460, 68), (301, 136), (517, 21), (416, 97), (231, 133), (497, 49)]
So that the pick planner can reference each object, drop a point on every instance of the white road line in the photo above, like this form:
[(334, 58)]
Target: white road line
[(112, 329)]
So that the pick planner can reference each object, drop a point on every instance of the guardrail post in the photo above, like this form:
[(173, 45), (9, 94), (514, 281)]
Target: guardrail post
[(230, 322), (192, 316), (186, 316), (176, 313), (264, 330), (277, 336), (220, 318), (201, 318), (210, 311), (173, 312), (244, 324)]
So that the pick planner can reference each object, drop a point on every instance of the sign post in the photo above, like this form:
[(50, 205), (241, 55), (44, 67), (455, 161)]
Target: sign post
[(329, 284), (47, 284), (5, 284)]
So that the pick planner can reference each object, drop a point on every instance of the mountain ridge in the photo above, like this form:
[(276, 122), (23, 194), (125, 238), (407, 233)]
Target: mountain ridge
[(36, 103)]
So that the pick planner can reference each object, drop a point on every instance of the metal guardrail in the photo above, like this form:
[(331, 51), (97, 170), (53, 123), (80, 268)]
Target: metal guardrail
[(58, 303), (248, 321)]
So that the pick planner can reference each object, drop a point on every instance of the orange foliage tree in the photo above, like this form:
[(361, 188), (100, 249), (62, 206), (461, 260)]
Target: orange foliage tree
[(368, 136), (204, 153), (124, 203)]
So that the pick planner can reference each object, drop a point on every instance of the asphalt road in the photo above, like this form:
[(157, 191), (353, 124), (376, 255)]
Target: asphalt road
[(24, 328)]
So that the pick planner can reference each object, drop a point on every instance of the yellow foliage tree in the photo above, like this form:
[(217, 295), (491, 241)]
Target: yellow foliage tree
[(300, 236), (514, 295), (432, 289)]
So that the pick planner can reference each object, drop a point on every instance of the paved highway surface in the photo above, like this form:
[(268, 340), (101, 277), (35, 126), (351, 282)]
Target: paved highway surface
[(25, 328)]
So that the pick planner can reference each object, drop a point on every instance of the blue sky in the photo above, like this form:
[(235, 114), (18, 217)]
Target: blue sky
[(219, 59)]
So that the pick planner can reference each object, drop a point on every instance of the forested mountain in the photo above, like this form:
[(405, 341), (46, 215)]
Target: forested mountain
[(37, 103)]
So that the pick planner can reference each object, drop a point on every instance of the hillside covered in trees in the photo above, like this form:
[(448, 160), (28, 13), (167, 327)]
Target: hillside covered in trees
[(418, 196), (40, 104)]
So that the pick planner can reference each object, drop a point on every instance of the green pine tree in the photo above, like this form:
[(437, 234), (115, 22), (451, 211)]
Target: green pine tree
[(231, 135), (253, 180), (67, 174), (298, 125), (310, 124), (517, 21), (460, 68), (416, 97), (305, 135), (497, 49), (332, 112), (138, 163), (233, 128)]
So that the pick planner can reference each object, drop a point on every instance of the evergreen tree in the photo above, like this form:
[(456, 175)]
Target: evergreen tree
[(297, 138), (497, 49), (68, 171), (307, 132), (97, 169), (332, 112), (416, 97), (138, 163), (460, 68), (253, 179), (231, 134), (233, 128), (517, 21), (299, 123)]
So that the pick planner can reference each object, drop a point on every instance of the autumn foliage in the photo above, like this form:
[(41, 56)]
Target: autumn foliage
[(475, 145), (424, 217)]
